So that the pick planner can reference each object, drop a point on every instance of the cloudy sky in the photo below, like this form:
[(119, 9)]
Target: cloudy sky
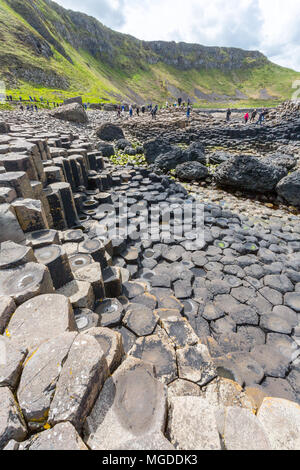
[(271, 26)]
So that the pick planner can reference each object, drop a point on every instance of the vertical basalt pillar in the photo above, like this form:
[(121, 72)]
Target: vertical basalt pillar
[(68, 203), (57, 261)]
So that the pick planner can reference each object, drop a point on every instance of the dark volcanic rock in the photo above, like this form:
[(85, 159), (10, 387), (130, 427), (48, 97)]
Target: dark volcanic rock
[(73, 112), (285, 161), (107, 150), (4, 128), (249, 173), (122, 144), (190, 171), (109, 132), (76, 99), (169, 161), (195, 153), (154, 148), (289, 188), (216, 158)]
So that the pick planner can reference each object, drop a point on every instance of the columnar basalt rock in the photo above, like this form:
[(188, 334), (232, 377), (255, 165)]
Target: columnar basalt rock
[(39, 319), (213, 326)]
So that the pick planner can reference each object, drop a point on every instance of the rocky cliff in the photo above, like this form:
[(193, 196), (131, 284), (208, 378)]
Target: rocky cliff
[(47, 44)]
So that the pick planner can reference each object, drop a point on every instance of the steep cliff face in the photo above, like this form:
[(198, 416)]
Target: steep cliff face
[(43, 44), (194, 56), (84, 32)]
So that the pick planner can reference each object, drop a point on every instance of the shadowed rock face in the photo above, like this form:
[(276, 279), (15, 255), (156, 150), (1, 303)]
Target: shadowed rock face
[(73, 112), (249, 173)]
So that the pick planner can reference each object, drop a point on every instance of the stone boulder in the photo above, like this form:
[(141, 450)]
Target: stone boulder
[(190, 171), (216, 158), (76, 99), (155, 147), (122, 144), (195, 152), (4, 128), (73, 112), (107, 150), (289, 188), (168, 161), (109, 132), (285, 161), (96, 106), (109, 107), (245, 172)]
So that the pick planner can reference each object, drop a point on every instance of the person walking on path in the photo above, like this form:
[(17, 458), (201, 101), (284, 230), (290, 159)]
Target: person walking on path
[(228, 114), (130, 111), (246, 117), (253, 115), (179, 102), (188, 113), (261, 118)]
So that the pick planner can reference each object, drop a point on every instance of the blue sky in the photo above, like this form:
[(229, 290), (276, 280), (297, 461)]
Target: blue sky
[(271, 26)]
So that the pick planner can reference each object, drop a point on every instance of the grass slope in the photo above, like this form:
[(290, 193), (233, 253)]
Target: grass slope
[(128, 80)]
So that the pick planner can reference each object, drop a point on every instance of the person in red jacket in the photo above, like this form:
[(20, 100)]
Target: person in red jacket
[(246, 118)]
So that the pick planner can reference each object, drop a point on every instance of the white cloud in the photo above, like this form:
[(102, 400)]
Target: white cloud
[(271, 26)]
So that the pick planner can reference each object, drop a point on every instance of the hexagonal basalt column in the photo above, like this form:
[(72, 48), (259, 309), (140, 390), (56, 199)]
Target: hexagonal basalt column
[(67, 200), (30, 214), (13, 255), (57, 261), (19, 181), (25, 282)]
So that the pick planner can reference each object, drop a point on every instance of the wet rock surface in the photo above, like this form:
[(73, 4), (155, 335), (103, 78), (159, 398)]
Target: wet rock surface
[(139, 337)]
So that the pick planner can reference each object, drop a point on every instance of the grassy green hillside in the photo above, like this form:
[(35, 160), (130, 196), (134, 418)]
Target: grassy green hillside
[(50, 52)]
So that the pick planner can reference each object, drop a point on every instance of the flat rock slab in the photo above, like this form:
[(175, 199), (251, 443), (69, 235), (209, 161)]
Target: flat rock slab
[(146, 299), (12, 425), (62, 437), (79, 383), (25, 282), (225, 392), (292, 300), (157, 351), (271, 360), (183, 388), (11, 362), (40, 319), (140, 320), (281, 421), (111, 312), (195, 364), (192, 424), (13, 255), (180, 331), (131, 404), (7, 308), (243, 431), (133, 289), (111, 344), (39, 378)]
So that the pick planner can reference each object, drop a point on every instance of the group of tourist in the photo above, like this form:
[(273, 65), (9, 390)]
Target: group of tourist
[(153, 110), (261, 116)]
